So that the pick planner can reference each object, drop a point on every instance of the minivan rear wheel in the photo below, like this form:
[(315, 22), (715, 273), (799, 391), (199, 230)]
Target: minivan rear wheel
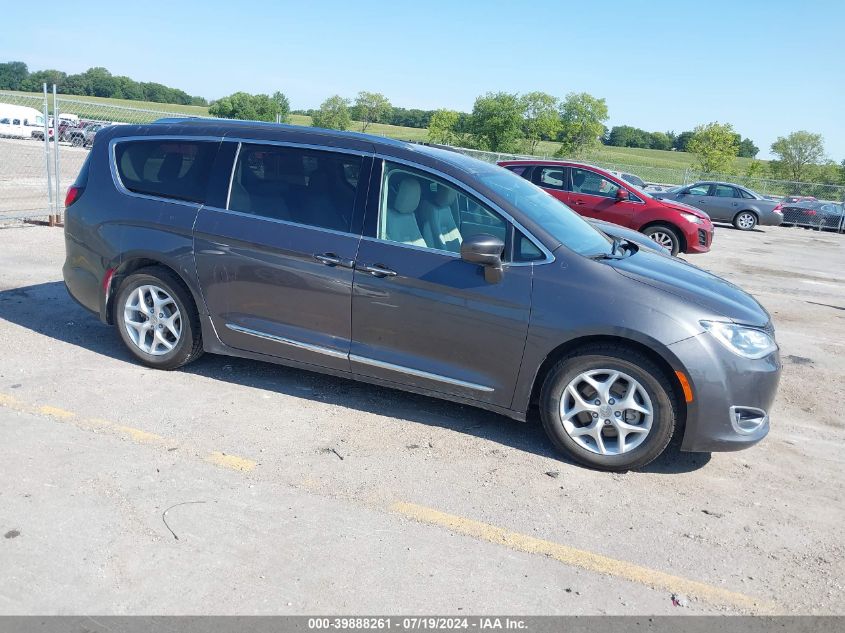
[(608, 408), (157, 319), (666, 236)]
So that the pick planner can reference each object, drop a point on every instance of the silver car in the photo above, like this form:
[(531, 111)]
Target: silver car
[(727, 202)]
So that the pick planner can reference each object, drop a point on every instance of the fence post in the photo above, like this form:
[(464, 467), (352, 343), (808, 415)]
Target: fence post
[(47, 152), (56, 134)]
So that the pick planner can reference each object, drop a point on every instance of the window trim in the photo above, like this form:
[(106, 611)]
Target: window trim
[(468, 190), (115, 174)]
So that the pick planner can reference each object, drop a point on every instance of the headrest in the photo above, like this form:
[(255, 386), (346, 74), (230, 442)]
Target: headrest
[(408, 195), (445, 196)]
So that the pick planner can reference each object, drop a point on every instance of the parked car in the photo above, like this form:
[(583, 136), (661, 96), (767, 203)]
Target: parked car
[(813, 214), (726, 202), (596, 193), (791, 199), (84, 136), (635, 180), (415, 268)]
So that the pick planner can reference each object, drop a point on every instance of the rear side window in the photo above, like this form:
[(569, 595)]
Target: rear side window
[(723, 191), (550, 177), (177, 169), (311, 187)]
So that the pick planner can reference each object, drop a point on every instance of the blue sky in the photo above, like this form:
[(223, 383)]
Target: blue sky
[(769, 68)]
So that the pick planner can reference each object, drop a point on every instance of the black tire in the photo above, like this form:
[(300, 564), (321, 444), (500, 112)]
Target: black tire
[(76, 141), (744, 225), (660, 232), (189, 346), (637, 366)]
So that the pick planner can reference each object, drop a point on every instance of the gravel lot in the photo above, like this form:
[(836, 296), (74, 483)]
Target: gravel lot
[(305, 494)]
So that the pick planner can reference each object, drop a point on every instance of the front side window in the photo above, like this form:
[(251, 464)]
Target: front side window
[(724, 191), (178, 169), (420, 210), (698, 190), (311, 187), (592, 183)]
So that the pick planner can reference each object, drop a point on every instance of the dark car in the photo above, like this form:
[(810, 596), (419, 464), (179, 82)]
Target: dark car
[(813, 214), (83, 136), (726, 202), (602, 195), (415, 268)]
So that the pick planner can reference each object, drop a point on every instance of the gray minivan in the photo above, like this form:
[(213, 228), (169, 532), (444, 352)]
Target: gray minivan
[(415, 268)]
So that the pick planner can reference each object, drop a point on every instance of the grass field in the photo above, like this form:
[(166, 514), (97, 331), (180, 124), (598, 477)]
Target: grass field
[(648, 162)]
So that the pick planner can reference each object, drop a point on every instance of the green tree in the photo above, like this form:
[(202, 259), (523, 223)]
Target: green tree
[(627, 136), (101, 81), (682, 141), (12, 74), (747, 148), (659, 140), (715, 146), (371, 107), (35, 81), (542, 120), (496, 122), (242, 105), (755, 169), (796, 152), (333, 114), (443, 127), (582, 123)]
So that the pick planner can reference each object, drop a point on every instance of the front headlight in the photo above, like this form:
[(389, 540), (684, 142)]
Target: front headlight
[(692, 218), (744, 341)]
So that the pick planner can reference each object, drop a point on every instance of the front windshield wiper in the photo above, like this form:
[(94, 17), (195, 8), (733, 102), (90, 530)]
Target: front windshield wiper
[(617, 249)]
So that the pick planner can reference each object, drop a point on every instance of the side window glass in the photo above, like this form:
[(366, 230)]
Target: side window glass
[(177, 169), (698, 190), (551, 177), (519, 170), (420, 210), (311, 187), (745, 194), (591, 183), (524, 250)]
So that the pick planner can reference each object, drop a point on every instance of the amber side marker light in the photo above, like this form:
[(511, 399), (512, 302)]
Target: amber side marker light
[(685, 386)]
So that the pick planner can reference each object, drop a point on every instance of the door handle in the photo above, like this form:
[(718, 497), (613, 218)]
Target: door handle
[(330, 259), (376, 270), (578, 202)]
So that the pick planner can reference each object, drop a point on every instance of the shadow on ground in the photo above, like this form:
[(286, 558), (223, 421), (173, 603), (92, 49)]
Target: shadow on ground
[(48, 310)]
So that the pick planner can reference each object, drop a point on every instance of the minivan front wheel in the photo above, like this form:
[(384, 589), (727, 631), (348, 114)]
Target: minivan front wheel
[(608, 408), (157, 319), (666, 236)]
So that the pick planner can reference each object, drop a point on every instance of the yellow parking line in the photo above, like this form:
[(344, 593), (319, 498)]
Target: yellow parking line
[(139, 436), (581, 558)]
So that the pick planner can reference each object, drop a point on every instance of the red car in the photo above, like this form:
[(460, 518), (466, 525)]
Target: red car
[(596, 193)]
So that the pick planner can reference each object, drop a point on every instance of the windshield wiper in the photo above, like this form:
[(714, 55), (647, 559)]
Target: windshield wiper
[(617, 250)]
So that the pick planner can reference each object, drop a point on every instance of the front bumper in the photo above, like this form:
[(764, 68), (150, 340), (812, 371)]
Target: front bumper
[(699, 238), (724, 384)]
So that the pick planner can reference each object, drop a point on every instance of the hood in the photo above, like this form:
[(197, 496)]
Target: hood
[(694, 285), (686, 208)]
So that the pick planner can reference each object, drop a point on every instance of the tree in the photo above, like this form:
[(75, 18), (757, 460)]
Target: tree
[(371, 107), (542, 120), (242, 105), (443, 127), (747, 148), (282, 106), (12, 74), (627, 136), (715, 145), (35, 81), (682, 141), (333, 114), (582, 123), (496, 122), (755, 168), (796, 151), (659, 140)]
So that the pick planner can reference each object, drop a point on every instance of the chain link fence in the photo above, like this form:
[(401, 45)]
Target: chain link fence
[(44, 141)]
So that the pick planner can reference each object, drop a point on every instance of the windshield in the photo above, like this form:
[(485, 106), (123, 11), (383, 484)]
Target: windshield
[(549, 212)]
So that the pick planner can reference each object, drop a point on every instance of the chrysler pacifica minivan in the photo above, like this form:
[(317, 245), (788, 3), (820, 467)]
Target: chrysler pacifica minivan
[(415, 268)]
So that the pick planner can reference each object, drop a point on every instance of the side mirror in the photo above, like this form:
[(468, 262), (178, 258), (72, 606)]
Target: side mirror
[(486, 251), (622, 195)]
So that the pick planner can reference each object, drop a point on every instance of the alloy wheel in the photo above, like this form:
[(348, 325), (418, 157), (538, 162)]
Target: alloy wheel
[(745, 221), (664, 239), (607, 412), (152, 320)]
